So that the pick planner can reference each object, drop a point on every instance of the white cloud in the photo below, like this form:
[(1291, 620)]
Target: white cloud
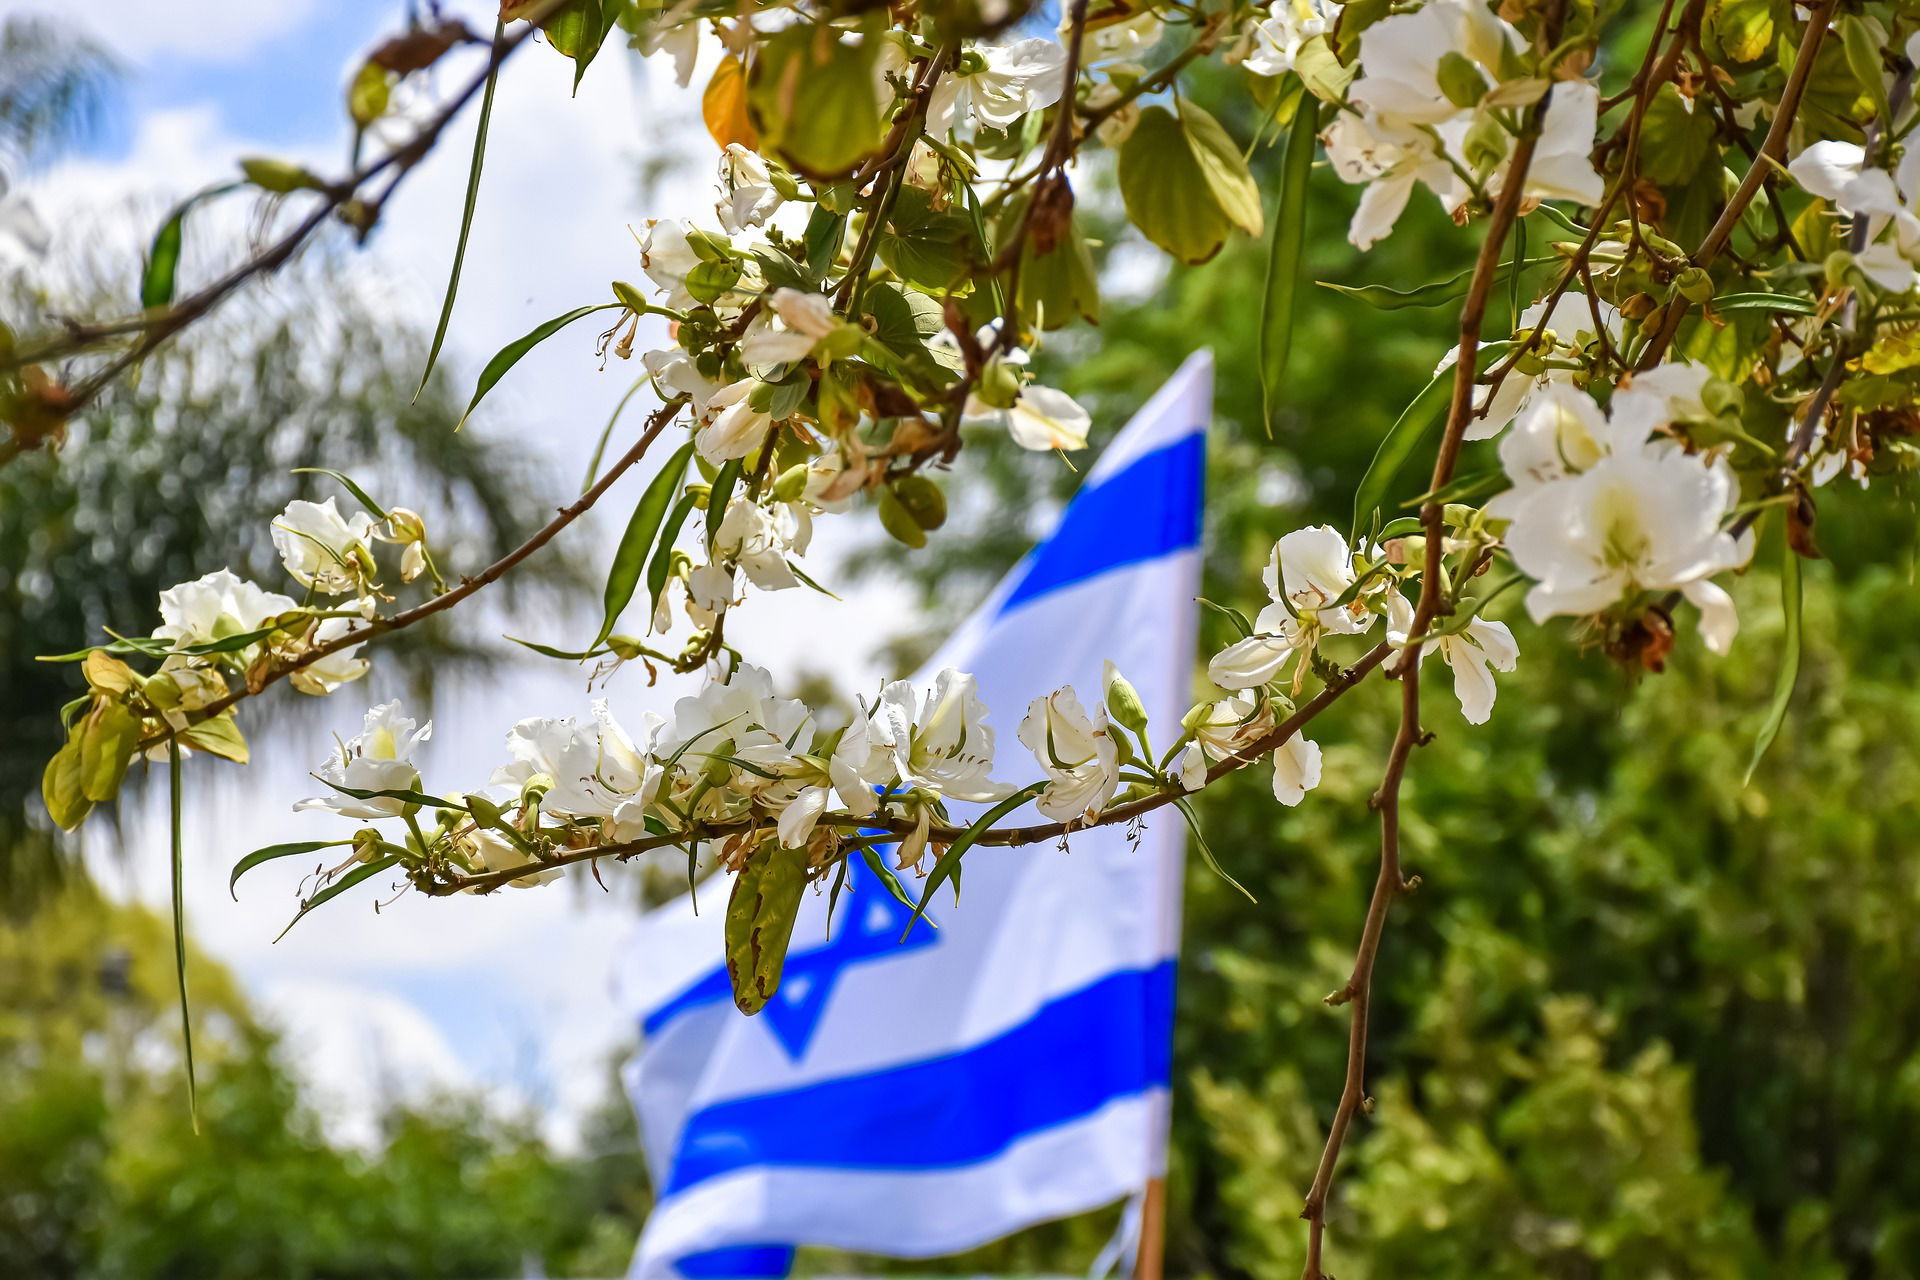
[(209, 31)]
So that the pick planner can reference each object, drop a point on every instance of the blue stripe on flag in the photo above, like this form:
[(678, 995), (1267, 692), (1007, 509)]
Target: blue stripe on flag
[(1149, 510), (1073, 1056), (740, 1262)]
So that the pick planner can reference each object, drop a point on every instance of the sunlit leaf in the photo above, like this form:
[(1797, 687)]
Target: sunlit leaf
[(510, 355), (760, 913)]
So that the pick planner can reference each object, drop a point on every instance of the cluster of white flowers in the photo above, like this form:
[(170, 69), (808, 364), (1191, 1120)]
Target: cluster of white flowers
[(1439, 101)]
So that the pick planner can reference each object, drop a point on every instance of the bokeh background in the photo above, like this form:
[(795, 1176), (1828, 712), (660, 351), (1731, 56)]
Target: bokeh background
[(1642, 1018)]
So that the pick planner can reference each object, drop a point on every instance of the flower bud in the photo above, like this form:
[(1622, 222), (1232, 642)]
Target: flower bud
[(162, 692), (1485, 145), (1123, 701), (922, 499), (792, 484), (1461, 81), (1694, 284), (999, 385), (278, 176), (1458, 515)]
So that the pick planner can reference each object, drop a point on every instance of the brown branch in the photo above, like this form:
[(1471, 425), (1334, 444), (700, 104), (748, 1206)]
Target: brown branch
[(468, 586), (1761, 171), (1004, 837), (156, 329)]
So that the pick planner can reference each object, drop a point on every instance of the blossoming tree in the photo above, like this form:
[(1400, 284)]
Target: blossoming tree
[(1708, 254)]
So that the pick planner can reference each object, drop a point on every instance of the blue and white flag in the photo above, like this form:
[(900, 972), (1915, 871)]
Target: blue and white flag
[(1011, 1066)]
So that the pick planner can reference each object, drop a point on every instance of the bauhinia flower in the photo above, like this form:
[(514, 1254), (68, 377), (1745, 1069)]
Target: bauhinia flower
[(324, 675), (1390, 158), (1276, 39), (995, 85), (747, 194), (850, 772), (1296, 770), (1482, 644), (491, 851), (759, 540), (322, 549), (1078, 753), (1641, 520), (592, 771), (1309, 571), (791, 328), (1039, 418), (1566, 332), (676, 374), (938, 739), (740, 719), (214, 607), (738, 428), (378, 758)]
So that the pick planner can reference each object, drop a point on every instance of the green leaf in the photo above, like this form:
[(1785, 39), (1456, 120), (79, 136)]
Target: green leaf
[(61, 788), (662, 563), (1436, 294), (1286, 258), (566, 655), (1791, 303), (1206, 851), (878, 865), (366, 871), (109, 737), (404, 794), (1059, 288), (719, 496), (379, 512), (1674, 142), (219, 736), (1428, 408), (466, 218), (825, 230), (368, 93), (579, 29), (1185, 184), (163, 259), (510, 355), (631, 555), (180, 925), (928, 247), (273, 851), (1789, 658), (1231, 614), (606, 432), (759, 925), (949, 864), (815, 98)]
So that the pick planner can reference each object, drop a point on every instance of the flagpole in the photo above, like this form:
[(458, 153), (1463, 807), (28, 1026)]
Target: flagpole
[(1150, 1263)]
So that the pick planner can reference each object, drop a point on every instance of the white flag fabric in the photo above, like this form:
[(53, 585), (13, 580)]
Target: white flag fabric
[(1011, 1065)]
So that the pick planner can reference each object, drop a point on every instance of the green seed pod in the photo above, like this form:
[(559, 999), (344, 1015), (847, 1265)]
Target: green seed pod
[(922, 499), (1694, 284), (896, 521)]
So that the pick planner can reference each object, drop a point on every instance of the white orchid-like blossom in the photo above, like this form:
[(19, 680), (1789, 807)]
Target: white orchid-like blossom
[(322, 549), (378, 758), (998, 84)]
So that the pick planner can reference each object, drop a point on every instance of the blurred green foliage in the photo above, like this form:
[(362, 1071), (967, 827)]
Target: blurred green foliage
[(101, 1174)]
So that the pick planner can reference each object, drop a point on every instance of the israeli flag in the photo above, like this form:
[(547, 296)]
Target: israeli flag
[(1010, 1066)]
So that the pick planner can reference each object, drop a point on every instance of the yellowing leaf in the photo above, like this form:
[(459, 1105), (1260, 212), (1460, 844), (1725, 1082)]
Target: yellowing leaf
[(368, 94), (1743, 27), (60, 787), (219, 736), (724, 106), (107, 673), (1184, 183), (108, 739)]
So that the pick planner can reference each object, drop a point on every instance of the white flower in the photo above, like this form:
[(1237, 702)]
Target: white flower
[(1076, 752), (1470, 652), (378, 758), (850, 773), (1647, 520), (329, 673), (494, 852), (747, 195), (1562, 167), (803, 319), (938, 739), (595, 771), (676, 373), (1126, 40), (1653, 398), (668, 257), (1118, 126), (1572, 328), (1391, 158), (1010, 80), (738, 428), (742, 712), (1041, 418), (214, 607), (677, 34), (759, 540), (1308, 571), (1191, 767), (1561, 432), (323, 549), (1828, 167), (1277, 38), (1296, 770), (1400, 58), (1226, 725)]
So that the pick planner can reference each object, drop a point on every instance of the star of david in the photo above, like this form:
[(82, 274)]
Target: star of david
[(867, 927)]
